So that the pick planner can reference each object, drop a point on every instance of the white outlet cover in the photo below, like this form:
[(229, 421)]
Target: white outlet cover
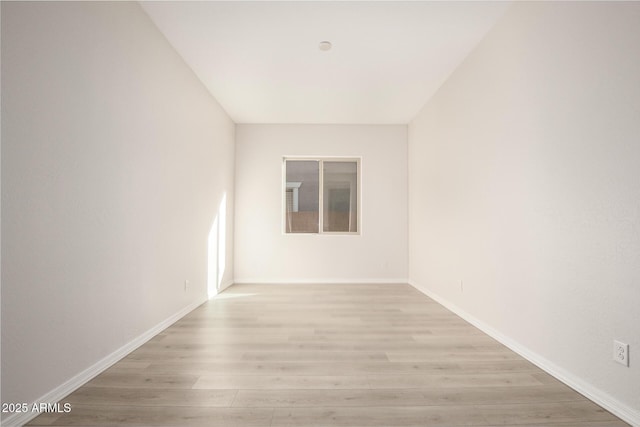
[(621, 353)]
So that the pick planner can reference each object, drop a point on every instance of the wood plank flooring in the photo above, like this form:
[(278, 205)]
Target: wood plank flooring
[(325, 355)]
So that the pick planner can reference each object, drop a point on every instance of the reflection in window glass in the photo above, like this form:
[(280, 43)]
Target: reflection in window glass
[(340, 196), (302, 196)]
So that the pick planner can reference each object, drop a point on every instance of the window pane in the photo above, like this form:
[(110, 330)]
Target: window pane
[(340, 196), (302, 196)]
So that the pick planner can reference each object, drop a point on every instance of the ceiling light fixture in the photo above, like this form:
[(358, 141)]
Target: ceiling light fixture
[(325, 45)]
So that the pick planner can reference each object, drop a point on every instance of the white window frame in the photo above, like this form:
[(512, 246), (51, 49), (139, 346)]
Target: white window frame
[(295, 185)]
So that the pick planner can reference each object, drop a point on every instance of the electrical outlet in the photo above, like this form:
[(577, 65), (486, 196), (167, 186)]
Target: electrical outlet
[(186, 285), (621, 352)]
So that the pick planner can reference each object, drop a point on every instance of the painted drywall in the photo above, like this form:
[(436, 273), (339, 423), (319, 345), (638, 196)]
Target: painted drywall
[(524, 185), (265, 254), (115, 161)]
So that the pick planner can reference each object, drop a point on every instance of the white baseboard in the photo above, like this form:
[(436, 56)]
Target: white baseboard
[(58, 393), (225, 285), (308, 281), (603, 399)]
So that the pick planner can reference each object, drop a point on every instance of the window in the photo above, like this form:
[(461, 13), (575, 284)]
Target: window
[(322, 195)]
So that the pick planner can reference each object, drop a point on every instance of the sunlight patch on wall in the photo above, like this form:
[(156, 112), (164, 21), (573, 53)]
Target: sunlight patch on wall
[(222, 239), (217, 249)]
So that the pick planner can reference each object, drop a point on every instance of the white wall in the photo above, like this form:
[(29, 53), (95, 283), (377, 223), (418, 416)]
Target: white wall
[(524, 182), (115, 159), (265, 254)]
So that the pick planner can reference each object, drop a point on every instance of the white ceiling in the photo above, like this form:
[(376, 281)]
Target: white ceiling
[(262, 63)]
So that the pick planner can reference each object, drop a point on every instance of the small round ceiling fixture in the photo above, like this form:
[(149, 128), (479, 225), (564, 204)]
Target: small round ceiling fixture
[(325, 45)]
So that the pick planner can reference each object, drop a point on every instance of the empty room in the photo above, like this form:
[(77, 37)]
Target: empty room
[(320, 213)]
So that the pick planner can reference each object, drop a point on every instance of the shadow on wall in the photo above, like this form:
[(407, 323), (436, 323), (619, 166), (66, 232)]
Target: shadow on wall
[(217, 250)]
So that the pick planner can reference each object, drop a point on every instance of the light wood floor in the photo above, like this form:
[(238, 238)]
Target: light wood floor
[(325, 355)]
